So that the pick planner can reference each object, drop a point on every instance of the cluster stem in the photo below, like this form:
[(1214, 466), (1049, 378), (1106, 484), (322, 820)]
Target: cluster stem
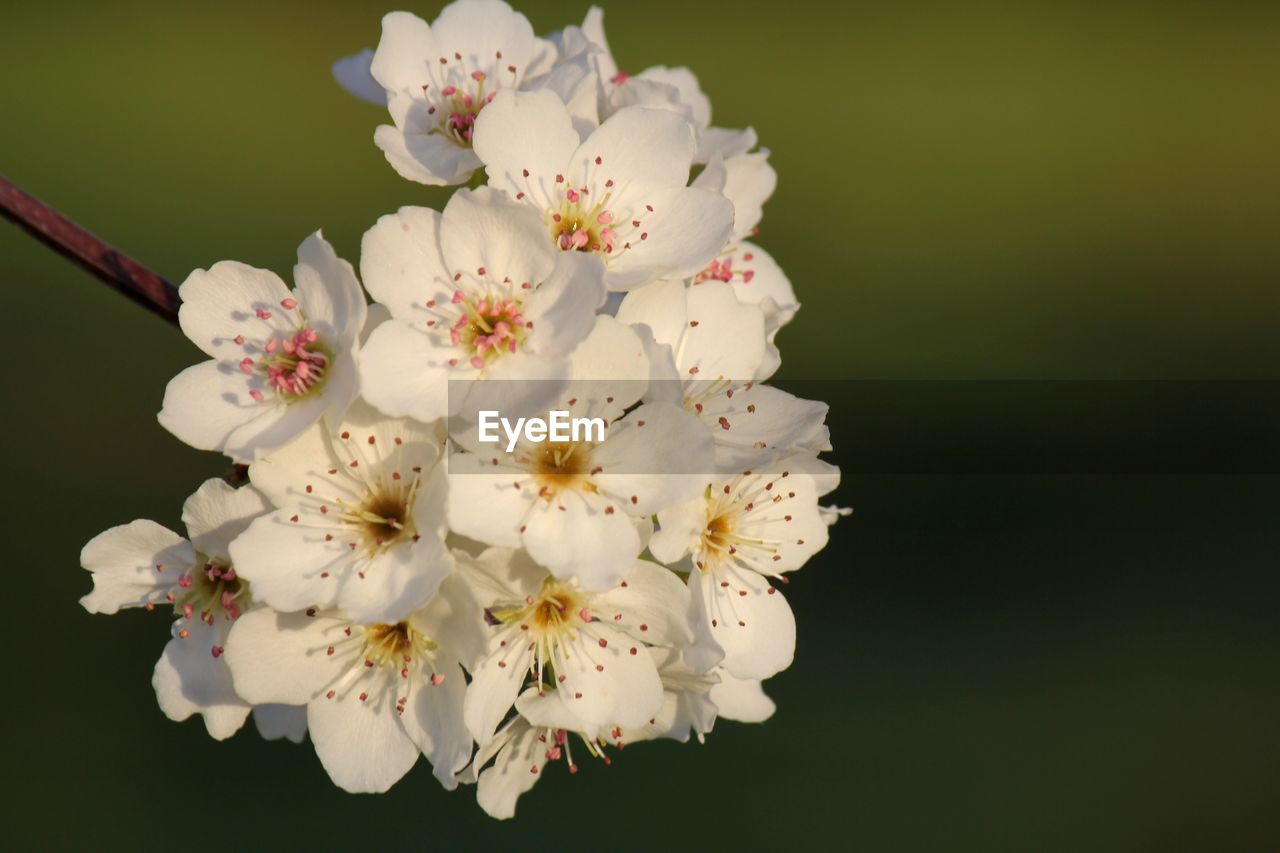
[(116, 270)]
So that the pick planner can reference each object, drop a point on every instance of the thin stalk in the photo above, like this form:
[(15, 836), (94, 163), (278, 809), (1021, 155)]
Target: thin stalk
[(118, 271)]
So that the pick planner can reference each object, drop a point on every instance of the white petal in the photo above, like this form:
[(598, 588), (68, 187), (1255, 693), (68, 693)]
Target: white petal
[(639, 92), (664, 378), (756, 630), (133, 564), (222, 302), (495, 684), (749, 183), (662, 307), (725, 143), (685, 82), (713, 177), (483, 229), (563, 307), (427, 158), (283, 658), (501, 574), (208, 403), (188, 680), (764, 423), (518, 766), (521, 131), (593, 29), (605, 683), (742, 700), (281, 721), (401, 263), (327, 289), (282, 422), (353, 74), (483, 505), (396, 582), (768, 281), (686, 230), (575, 82), (433, 719), (725, 339), (653, 605), (454, 619), (218, 512), (575, 535), (341, 387), (404, 371), (277, 474), (640, 149), (361, 745), (656, 457), (680, 528), (518, 385), (480, 29), (376, 315), (546, 709), (612, 361), (289, 564), (406, 46), (791, 521)]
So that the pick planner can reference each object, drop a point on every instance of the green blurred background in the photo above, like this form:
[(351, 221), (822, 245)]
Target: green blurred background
[(979, 190)]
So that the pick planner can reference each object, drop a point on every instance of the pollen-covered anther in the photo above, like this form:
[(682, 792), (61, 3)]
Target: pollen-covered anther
[(488, 327), (210, 590), (724, 270), (583, 224), (560, 466), (293, 366), (458, 99)]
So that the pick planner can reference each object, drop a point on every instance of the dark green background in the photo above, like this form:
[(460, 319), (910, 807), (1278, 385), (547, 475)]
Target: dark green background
[(979, 190)]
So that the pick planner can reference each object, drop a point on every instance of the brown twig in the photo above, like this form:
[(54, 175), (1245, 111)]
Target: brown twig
[(126, 275)]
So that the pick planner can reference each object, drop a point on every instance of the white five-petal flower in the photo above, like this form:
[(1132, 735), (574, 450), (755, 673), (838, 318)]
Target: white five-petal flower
[(377, 695), (477, 292), (359, 520), (591, 646), (620, 193), (280, 360), (674, 89), (746, 530), (574, 504), (545, 728), (711, 346), (143, 564), (439, 77)]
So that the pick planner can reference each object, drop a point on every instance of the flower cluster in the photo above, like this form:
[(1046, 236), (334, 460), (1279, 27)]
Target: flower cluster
[(397, 590)]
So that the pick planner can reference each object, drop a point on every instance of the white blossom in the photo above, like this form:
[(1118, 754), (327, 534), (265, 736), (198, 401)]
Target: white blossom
[(747, 180), (377, 695), (143, 564), (590, 645), (745, 532), (358, 521), (280, 360), (712, 346), (439, 77), (572, 504), (674, 89), (397, 584), (620, 193), (476, 293)]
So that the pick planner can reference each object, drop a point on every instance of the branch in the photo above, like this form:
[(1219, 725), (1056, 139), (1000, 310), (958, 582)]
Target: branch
[(94, 256)]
